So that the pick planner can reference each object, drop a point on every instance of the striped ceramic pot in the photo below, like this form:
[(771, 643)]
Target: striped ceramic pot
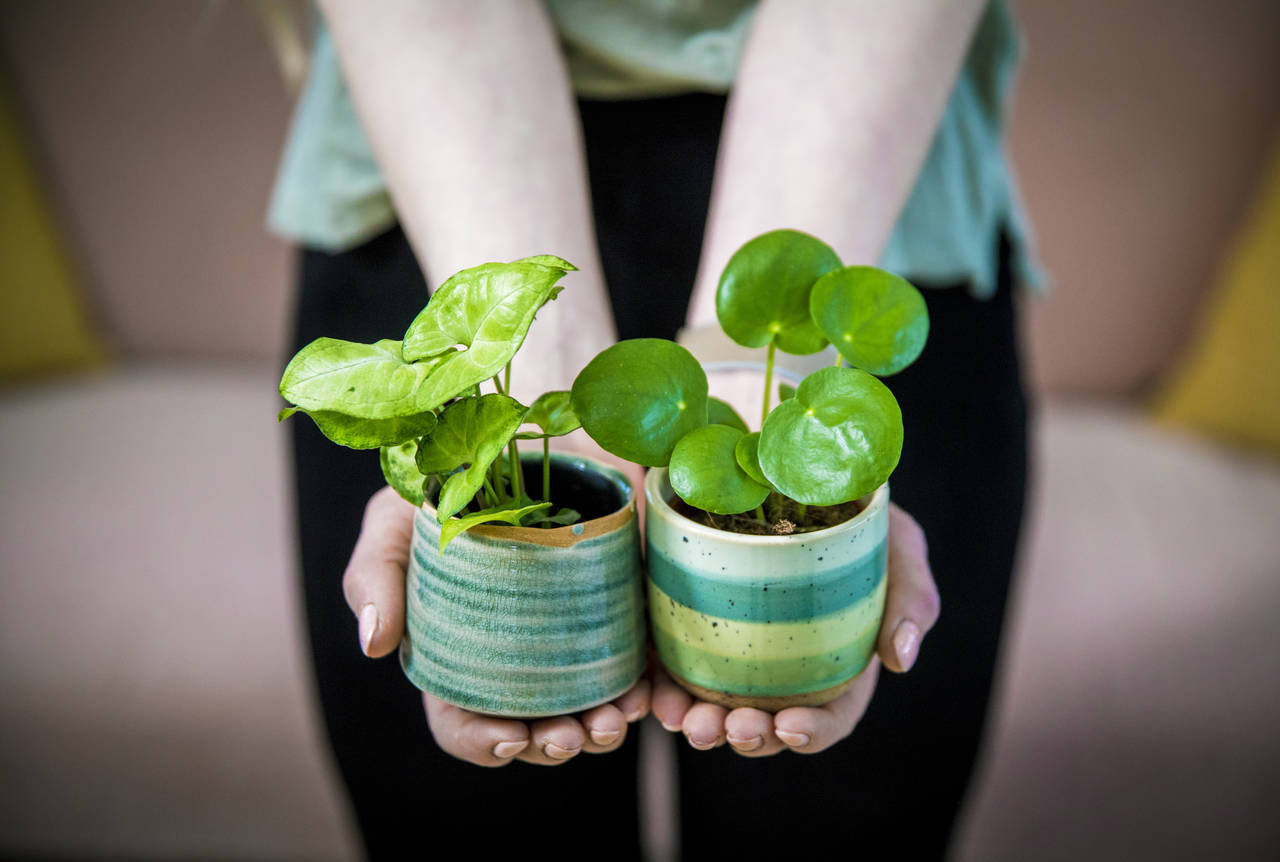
[(764, 621), (525, 622)]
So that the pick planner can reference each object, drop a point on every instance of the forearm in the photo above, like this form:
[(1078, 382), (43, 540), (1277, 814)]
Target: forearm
[(469, 110), (832, 114)]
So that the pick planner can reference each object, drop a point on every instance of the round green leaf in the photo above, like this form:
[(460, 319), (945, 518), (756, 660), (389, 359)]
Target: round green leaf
[(639, 397), (838, 438), (705, 472), (877, 320), (721, 412), (763, 294), (747, 453)]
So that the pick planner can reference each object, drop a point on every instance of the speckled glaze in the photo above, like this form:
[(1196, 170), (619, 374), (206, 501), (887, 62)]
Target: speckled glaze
[(524, 622), (764, 621)]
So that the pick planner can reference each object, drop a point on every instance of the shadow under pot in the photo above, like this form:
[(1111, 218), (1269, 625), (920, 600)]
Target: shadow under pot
[(764, 621), (524, 622)]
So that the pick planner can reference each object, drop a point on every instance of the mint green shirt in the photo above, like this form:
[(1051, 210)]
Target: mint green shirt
[(330, 195)]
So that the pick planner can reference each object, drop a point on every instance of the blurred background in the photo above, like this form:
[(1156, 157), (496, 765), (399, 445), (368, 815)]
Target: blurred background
[(154, 694)]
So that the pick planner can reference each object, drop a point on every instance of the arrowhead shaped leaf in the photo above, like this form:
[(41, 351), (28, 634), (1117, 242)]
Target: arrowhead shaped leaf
[(477, 321), (400, 469), (839, 438), (471, 434), (876, 320), (356, 433), (763, 294), (363, 381), (639, 397), (553, 413), (451, 528), (705, 473)]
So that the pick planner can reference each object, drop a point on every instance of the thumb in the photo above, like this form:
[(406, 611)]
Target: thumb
[(912, 605), (374, 581)]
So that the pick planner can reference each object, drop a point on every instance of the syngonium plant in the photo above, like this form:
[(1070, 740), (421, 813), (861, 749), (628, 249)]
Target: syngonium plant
[(831, 440), (420, 401)]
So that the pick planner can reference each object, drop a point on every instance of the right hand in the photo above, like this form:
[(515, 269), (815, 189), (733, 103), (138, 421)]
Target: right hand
[(374, 585)]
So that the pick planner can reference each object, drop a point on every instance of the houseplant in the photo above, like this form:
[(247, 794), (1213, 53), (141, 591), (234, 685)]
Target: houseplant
[(514, 607), (767, 549)]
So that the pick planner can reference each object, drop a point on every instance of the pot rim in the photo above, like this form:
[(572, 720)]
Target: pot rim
[(571, 534), (657, 504)]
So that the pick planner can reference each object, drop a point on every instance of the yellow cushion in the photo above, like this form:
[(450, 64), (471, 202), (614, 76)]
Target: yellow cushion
[(1228, 384), (43, 325)]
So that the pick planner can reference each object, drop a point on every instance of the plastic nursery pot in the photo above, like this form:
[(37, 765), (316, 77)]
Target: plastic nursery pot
[(525, 622), (764, 621)]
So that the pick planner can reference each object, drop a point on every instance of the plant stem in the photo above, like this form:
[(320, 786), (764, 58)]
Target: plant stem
[(514, 453), (768, 381), (490, 493), (546, 469), (801, 512), (839, 360), (506, 377), (760, 514), (498, 386)]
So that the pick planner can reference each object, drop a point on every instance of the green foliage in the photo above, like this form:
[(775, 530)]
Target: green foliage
[(721, 412), (877, 320), (705, 472), (763, 295), (838, 438), (553, 413), (747, 453), (400, 469), (472, 433), (639, 397), (512, 513)]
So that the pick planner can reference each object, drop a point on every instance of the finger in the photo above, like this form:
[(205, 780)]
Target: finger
[(477, 739), (912, 605), (374, 580), (704, 725), (634, 704), (670, 701), (808, 730), (750, 732), (606, 728), (554, 741)]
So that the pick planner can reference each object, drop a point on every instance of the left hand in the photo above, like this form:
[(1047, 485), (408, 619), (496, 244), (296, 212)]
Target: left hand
[(911, 609)]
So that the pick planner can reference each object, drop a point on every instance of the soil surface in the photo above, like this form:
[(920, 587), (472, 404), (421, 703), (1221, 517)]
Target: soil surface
[(783, 516)]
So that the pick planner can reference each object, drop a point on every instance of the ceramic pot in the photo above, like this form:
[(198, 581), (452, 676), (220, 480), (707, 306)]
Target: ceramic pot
[(525, 622), (764, 621)]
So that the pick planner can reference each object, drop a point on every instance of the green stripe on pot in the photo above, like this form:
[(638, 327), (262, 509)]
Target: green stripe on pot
[(781, 599), (517, 626), (766, 677)]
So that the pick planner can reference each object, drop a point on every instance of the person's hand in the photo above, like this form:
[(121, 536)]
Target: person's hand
[(374, 588), (911, 609)]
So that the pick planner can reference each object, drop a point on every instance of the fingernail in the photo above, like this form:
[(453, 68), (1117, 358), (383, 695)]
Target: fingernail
[(703, 745), (794, 740), (605, 737), (368, 626), (674, 728), (636, 714), (503, 750), (746, 744), (555, 752), (906, 640)]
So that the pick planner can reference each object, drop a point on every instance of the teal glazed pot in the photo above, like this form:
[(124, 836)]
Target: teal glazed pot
[(525, 622), (764, 621)]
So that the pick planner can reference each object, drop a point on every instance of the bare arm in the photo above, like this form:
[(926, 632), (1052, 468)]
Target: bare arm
[(832, 114), (468, 107)]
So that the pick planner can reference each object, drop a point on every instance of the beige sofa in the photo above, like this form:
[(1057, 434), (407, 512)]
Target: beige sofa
[(156, 702)]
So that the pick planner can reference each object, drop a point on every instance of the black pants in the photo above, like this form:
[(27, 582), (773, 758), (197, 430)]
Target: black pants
[(895, 785)]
